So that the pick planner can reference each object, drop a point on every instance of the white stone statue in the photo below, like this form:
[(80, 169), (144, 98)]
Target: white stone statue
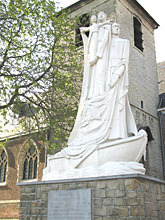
[(106, 115), (105, 134)]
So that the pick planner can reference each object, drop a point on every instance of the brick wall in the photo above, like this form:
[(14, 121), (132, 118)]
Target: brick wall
[(126, 197), (9, 192), (9, 209)]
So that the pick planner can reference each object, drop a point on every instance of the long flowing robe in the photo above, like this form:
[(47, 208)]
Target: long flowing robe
[(92, 74), (105, 117)]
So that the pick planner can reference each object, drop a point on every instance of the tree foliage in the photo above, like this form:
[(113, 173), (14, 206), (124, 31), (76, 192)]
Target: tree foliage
[(40, 67)]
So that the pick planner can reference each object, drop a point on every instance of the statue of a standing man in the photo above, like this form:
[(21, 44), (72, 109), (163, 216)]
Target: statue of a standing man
[(122, 122), (98, 80)]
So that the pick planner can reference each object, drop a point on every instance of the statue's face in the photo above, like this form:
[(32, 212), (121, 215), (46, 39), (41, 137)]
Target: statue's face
[(102, 16), (116, 29), (93, 19)]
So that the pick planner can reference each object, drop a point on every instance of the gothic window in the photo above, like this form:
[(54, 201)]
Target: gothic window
[(83, 21), (138, 41), (30, 163), (3, 166)]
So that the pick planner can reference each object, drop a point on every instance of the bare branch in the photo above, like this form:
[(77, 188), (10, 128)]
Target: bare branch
[(16, 94)]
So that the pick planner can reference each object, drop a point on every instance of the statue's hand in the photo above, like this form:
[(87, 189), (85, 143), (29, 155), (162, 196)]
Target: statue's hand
[(83, 30), (114, 80), (92, 62)]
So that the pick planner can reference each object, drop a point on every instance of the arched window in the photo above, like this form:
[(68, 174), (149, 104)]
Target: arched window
[(30, 163), (138, 41), (3, 166), (83, 21)]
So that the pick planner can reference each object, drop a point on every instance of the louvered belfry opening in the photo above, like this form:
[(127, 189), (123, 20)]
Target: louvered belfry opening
[(138, 41)]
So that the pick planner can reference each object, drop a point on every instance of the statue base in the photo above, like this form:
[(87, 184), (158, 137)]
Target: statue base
[(112, 197), (108, 169), (109, 158)]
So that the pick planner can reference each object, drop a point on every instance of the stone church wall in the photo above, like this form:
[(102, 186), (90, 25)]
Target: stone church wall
[(161, 77), (143, 80)]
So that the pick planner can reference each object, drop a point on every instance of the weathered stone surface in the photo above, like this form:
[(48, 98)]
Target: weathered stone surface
[(161, 205), (73, 186), (145, 187), (131, 194), (153, 188), (109, 218), (114, 211), (44, 197), (92, 184), (114, 184), (100, 211), (82, 185), (63, 187), (120, 193), (108, 202), (148, 196), (136, 202), (101, 184), (99, 193), (98, 202), (133, 202), (118, 201), (110, 193), (131, 185), (98, 218), (137, 211), (123, 212)]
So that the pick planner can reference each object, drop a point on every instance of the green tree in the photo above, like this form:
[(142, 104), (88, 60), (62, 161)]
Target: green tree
[(40, 67)]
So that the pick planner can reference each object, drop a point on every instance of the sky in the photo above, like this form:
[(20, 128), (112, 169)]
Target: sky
[(156, 8)]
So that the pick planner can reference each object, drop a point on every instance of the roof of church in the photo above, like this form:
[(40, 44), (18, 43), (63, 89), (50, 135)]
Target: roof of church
[(134, 4)]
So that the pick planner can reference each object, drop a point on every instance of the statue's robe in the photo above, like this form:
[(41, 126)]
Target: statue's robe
[(122, 123), (105, 117), (93, 76), (97, 73)]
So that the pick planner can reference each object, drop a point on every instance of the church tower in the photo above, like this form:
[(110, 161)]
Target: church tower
[(138, 27)]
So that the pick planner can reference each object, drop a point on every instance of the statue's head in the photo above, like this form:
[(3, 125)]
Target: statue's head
[(93, 19), (102, 16), (116, 29)]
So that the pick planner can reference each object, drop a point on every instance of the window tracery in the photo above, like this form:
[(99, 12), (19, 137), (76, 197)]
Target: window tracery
[(30, 163), (3, 166)]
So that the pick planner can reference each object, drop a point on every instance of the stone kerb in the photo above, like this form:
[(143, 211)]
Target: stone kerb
[(131, 197)]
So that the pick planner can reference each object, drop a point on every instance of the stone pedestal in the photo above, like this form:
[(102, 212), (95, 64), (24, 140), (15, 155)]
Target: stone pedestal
[(126, 197)]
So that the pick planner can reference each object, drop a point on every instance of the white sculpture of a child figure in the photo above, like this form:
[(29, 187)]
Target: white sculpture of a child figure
[(91, 42)]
